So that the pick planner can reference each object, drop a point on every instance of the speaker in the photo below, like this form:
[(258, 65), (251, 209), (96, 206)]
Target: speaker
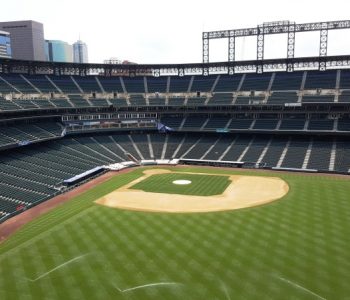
[(114, 95), (94, 95), (198, 94)]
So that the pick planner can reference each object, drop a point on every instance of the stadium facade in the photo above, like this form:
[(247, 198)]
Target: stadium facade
[(27, 39)]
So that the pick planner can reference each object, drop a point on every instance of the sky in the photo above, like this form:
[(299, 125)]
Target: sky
[(162, 31)]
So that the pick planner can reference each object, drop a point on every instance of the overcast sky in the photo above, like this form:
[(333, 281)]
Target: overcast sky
[(161, 31)]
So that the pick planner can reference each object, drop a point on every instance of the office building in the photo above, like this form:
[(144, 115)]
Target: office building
[(80, 52), (27, 39), (58, 51)]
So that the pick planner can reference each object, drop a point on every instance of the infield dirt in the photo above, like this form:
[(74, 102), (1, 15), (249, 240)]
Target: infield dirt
[(244, 191)]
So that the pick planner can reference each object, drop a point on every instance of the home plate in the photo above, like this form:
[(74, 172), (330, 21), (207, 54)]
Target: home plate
[(182, 182)]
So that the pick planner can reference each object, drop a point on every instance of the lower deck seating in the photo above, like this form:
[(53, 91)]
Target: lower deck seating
[(235, 152), (200, 148), (295, 155), (31, 174), (273, 154), (320, 154)]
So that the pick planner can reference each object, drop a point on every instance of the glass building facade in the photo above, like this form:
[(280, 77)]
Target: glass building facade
[(59, 51), (5, 45), (80, 52)]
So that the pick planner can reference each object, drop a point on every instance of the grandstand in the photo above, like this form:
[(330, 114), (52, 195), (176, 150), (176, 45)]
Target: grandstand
[(61, 120)]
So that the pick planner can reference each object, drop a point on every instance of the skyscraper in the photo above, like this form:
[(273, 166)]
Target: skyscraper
[(27, 39), (5, 44), (80, 52), (59, 51)]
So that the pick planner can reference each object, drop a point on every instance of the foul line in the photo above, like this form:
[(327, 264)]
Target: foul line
[(301, 287), (146, 285), (58, 267)]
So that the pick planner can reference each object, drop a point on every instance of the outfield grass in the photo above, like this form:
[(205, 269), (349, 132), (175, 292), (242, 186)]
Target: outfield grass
[(201, 185), (295, 248)]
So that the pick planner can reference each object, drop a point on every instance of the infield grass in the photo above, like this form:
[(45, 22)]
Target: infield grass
[(294, 248), (201, 185)]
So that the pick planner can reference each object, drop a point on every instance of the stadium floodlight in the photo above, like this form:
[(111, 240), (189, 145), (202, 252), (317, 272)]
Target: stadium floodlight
[(268, 28)]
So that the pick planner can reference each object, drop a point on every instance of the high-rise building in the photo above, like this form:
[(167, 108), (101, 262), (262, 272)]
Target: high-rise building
[(80, 52), (27, 39), (5, 44), (59, 51)]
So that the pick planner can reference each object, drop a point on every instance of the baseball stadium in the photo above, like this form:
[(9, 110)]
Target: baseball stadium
[(211, 180)]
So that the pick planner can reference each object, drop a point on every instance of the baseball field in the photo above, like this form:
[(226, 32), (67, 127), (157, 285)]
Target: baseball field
[(293, 245)]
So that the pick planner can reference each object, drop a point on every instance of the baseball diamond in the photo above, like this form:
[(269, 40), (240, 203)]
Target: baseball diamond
[(206, 193)]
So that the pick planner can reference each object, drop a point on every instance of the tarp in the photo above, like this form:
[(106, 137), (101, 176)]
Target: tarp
[(83, 175)]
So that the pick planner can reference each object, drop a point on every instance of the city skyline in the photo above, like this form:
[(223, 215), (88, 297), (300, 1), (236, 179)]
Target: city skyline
[(153, 32)]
